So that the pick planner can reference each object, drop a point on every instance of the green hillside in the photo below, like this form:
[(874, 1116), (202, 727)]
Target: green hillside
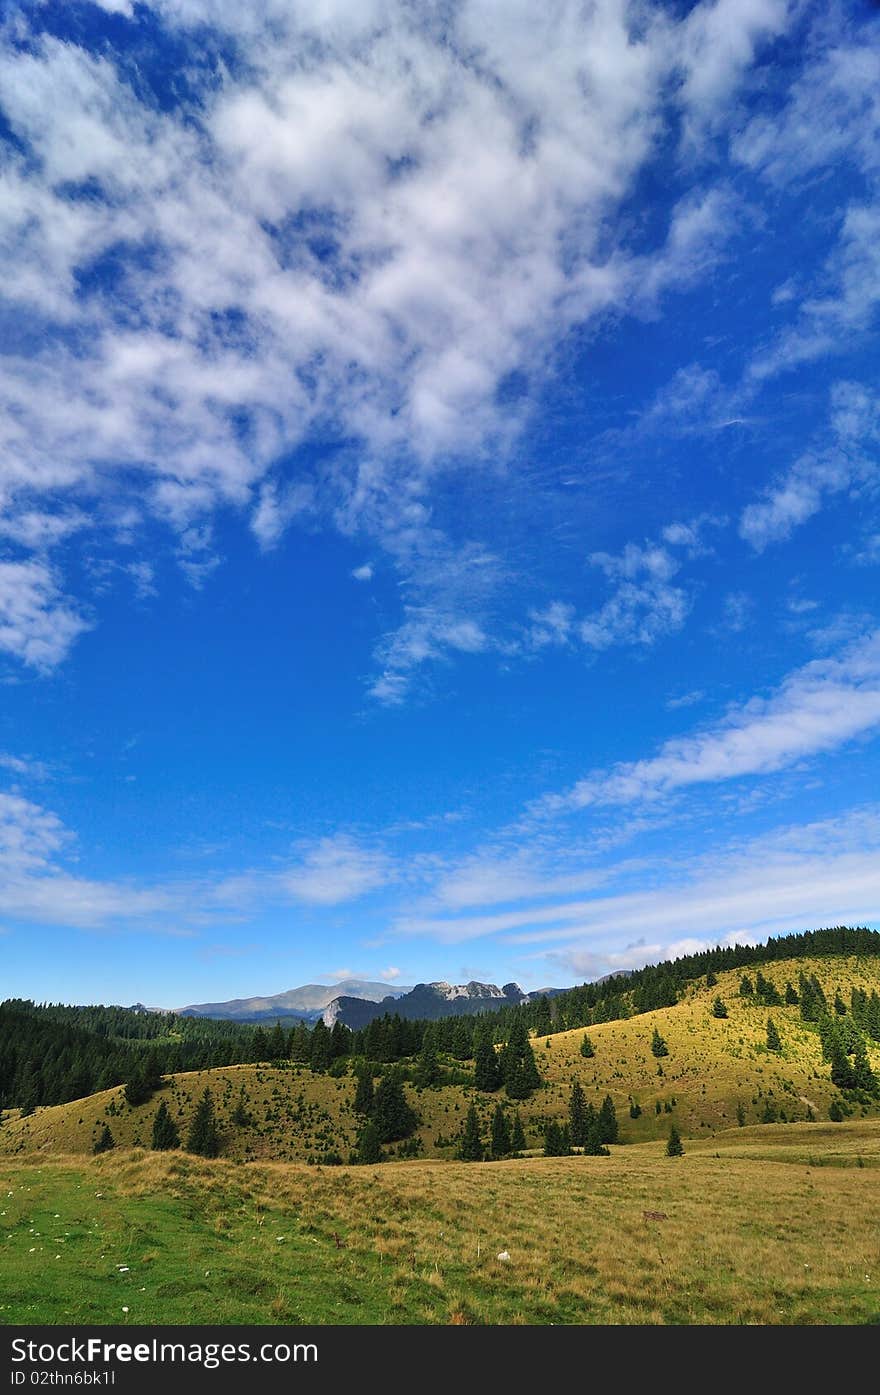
[(717, 1071)]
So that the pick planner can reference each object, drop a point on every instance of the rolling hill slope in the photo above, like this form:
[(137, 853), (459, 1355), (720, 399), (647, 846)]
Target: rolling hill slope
[(715, 1068)]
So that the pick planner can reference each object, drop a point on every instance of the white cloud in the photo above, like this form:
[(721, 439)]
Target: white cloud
[(644, 607), (801, 492), (363, 573), (817, 708), (823, 874), (314, 246), (798, 877), (336, 870), (37, 624)]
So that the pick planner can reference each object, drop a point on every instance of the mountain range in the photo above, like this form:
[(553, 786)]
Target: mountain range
[(355, 1003)]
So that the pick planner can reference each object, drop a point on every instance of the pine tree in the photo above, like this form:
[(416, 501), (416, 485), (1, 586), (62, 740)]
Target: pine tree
[(635, 1110), (594, 1147), (276, 1043), (773, 1041), (674, 1145), (718, 1008), (487, 1073), (711, 979), (791, 996), (462, 1042), (165, 1134), (427, 1071), (658, 1045), (392, 1115), (203, 1137), (578, 1120), (517, 1063), (470, 1148), (835, 1112), (608, 1121), (152, 1070), (740, 1115), (240, 1116), (501, 1139), (136, 1089), (746, 987), (260, 1048), (863, 1076), (364, 1093), (106, 1141), (517, 1135), (369, 1144), (322, 1046), (587, 1047), (557, 1141)]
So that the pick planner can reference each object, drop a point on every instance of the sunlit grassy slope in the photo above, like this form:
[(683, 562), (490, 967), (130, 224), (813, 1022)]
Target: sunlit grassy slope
[(769, 1224), (714, 1065)]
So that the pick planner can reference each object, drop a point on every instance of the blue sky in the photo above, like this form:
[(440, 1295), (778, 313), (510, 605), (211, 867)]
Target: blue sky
[(439, 520)]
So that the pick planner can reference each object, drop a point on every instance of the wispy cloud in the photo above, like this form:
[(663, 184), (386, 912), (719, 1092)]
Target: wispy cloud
[(38, 624), (336, 870), (817, 708)]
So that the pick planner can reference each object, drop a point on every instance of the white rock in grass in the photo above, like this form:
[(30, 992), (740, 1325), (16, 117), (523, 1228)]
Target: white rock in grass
[(504, 1257)]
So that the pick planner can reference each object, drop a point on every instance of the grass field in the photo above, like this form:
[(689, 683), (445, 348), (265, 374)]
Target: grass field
[(714, 1066), (774, 1224)]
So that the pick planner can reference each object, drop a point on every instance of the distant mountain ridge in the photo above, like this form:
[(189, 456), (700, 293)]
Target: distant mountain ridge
[(305, 1004), (355, 1002), (429, 1001)]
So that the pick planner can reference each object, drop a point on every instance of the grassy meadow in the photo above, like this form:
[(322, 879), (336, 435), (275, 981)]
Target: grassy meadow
[(764, 1223), (776, 1224)]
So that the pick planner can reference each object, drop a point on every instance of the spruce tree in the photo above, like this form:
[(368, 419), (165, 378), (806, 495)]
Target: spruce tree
[(501, 1139), (674, 1145), (594, 1147), (635, 1110), (487, 1073), (106, 1141), (746, 987), (518, 1067), (427, 1071), (392, 1115), (863, 1076), (719, 1008), (165, 1134), (470, 1148), (658, 1045), (835, 1112), (517, 1135), (557, 1140), (711, 979), (240, 1116), (462, 1042), (276, 1043), (322, 1046), (587, 1047), (369, 1144), (791, 996), (608, 1121), (578, 1121), (364, 1093), (137, 1090), (773, 1040), (203, 1137)]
